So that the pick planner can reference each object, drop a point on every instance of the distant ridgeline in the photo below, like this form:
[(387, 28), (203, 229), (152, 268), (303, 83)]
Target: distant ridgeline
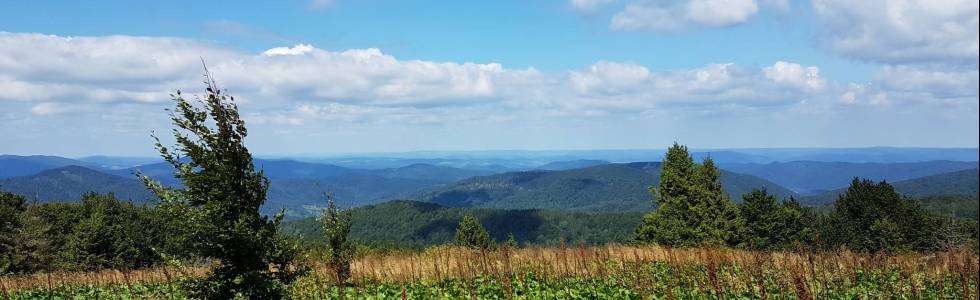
[(575, 185), (602, 188)]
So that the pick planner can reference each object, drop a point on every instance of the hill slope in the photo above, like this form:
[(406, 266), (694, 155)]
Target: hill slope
[(296, 195), (419, 224), (16, 165), (814, 177), (606, 188), (71, 182), (964, 183), (571, 164)]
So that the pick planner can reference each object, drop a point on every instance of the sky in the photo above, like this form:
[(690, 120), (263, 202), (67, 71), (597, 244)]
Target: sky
[(339, 76)]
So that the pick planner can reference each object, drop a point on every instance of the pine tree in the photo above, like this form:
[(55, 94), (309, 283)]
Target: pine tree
[(715, 218), (471, 234), (220, 201), (669, 224), (692, 208), (762, 216)]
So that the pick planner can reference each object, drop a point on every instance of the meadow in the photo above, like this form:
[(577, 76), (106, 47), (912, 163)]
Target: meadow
[(606, 272)]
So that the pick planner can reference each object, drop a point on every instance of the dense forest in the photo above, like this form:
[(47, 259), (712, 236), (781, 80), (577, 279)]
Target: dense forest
[(412, 224)]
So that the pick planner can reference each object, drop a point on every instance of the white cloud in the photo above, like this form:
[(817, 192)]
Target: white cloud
[(721, 13), (681, 15), (610, 77), (930, 83), (588, 6), (902, 31), (637, 17), (794, 75), (118, 82), (295, 50)]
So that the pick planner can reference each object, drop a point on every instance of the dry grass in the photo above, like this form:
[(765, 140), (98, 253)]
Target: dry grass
[(723, 271), (104, 277), (452, 262)]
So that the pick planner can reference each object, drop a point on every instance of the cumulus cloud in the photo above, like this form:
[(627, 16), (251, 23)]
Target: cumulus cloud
[(902, 31), (794, 75), (681, 15), (121, 81)]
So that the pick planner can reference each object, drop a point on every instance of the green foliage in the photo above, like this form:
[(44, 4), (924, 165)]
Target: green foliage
[(220, 200), (471, 234), (963, 183), (511, 242), (692, 207), (336, 232), (770, 225), (98, 232), (11, 226), (411, 224), (110, 234), (954, 206), (873, 217)]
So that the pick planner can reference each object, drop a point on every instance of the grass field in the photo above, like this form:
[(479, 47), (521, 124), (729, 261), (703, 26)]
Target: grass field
[(610, 272)]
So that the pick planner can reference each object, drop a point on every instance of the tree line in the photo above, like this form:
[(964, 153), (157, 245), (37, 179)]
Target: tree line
[(869, 216)]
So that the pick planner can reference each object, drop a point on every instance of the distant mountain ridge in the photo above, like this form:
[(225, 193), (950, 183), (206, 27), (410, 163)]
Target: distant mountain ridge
[(17, 165), (295, 186), (814, 177), (964, 182), (571, 164), (609, 188), (71, 182)]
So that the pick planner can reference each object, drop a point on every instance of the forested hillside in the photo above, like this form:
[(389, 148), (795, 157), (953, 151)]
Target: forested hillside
[(416, 224), (16, 165), (958, 183), (610, 188), (814, 177), (71, 182)]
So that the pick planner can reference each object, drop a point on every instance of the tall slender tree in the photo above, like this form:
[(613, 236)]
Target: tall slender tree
[(669, 223), (336, 228), (220, 200)]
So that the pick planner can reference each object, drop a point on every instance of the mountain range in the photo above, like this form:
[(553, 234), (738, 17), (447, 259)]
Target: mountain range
[(606, 188), (584, 185), (956, 183), (815, 177)]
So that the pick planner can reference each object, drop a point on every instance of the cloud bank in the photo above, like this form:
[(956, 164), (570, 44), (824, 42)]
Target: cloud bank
[(120, 84)]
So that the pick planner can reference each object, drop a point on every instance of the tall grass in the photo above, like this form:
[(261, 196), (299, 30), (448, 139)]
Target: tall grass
[(611, 271)]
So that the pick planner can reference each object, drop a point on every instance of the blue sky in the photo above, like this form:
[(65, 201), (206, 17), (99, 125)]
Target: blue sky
[(346, 76)]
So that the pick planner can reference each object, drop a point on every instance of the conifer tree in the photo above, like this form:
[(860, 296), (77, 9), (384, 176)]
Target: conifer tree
[(692, 208), (220, 200), (471, 234), (669, 224)]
